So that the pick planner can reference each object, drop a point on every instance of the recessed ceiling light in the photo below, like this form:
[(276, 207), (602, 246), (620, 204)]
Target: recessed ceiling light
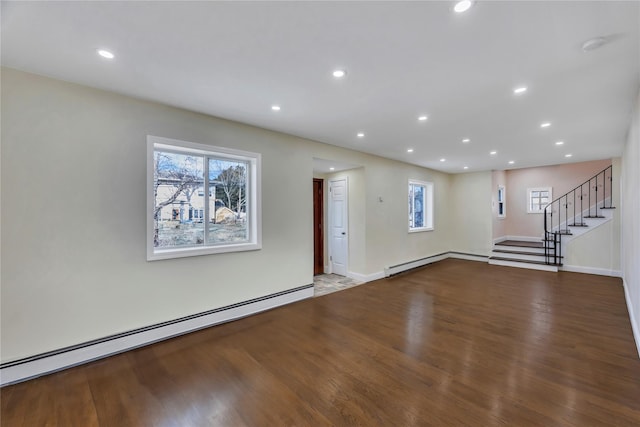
[(463, 6), (511, 162), (520, 90), (493, 153), (422, 118), (332, 169), (466, 167), (443, 160), (275, 107), (339, 73), (410, 150), (568, 155), (360, 135), (545, 125), (106, 54), (559, 142), (466, 140)]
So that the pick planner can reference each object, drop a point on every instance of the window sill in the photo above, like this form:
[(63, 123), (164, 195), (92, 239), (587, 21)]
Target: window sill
[(158, 254), (419, 230)]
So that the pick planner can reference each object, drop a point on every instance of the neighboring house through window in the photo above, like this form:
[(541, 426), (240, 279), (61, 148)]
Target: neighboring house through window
[(201, 199)]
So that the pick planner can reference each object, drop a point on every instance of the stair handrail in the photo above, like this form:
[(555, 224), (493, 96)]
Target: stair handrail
[(553, 237)]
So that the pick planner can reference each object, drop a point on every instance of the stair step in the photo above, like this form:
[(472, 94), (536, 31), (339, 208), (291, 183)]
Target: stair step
[(592, 217), (522, 264), (578, 224), (526, 261), (538, 249), (522, 243), (502, 251), (565, 232), (610, 207)]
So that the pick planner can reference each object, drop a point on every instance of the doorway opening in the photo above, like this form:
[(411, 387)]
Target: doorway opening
[(318, 226)]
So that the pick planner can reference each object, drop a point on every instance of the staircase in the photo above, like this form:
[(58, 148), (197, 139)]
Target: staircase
[(520, 253), (570, 215)]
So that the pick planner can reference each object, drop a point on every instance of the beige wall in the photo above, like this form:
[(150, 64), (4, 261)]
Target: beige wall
[(73, 271), (562, 178), (470, 213), (498, 178), (80, 273), (630, 219), (388, 240)]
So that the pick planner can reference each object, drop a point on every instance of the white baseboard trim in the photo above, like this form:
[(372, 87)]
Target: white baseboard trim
[(35, 366), (499, 239), (366, 277), (468, 257), (591, 270), (327, 269), (399, 268), (635, 327)]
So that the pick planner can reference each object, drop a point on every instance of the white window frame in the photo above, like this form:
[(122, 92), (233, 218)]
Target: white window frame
[(502, 200), (428, 206), (254, 199), (529, 193)]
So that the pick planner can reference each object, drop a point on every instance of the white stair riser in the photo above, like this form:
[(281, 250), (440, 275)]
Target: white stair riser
[(542, 267), (519, 249), (516, 257)]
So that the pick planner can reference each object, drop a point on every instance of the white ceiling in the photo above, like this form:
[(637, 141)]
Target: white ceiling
[(332, 166), (236, 59)]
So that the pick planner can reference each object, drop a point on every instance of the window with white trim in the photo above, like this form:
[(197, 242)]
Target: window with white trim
[(502, 207), (538, 199), (420, 206), (201, 199)]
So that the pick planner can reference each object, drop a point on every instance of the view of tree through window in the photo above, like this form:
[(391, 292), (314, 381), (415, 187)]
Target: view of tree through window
[(416, 206), (201, 199), (228, 178), (191, 211), (420, 206)]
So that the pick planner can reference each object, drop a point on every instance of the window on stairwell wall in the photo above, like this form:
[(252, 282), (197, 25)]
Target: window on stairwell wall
[(538, 199), (502, 206), (201, 199), (420, 206)]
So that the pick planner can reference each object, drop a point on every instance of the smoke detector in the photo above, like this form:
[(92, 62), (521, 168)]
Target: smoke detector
[(593, 44)]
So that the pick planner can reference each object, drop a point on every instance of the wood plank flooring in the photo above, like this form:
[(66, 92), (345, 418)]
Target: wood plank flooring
[(456, 343)]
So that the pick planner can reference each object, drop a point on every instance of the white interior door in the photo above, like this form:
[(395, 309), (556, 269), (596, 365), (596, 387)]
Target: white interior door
[(338, 225)]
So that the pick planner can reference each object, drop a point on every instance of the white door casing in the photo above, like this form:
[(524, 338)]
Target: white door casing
[(338, 226)]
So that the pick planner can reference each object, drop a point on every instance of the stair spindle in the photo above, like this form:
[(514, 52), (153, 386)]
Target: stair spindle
[(557, 232)]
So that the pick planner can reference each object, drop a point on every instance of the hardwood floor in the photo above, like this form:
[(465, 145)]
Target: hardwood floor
[(457, 343)]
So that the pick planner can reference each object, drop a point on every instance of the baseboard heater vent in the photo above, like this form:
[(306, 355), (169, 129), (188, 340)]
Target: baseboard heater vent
[(52, 361), (410, 265)]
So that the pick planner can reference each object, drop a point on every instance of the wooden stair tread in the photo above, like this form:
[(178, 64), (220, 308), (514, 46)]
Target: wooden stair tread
[(521, 243)]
